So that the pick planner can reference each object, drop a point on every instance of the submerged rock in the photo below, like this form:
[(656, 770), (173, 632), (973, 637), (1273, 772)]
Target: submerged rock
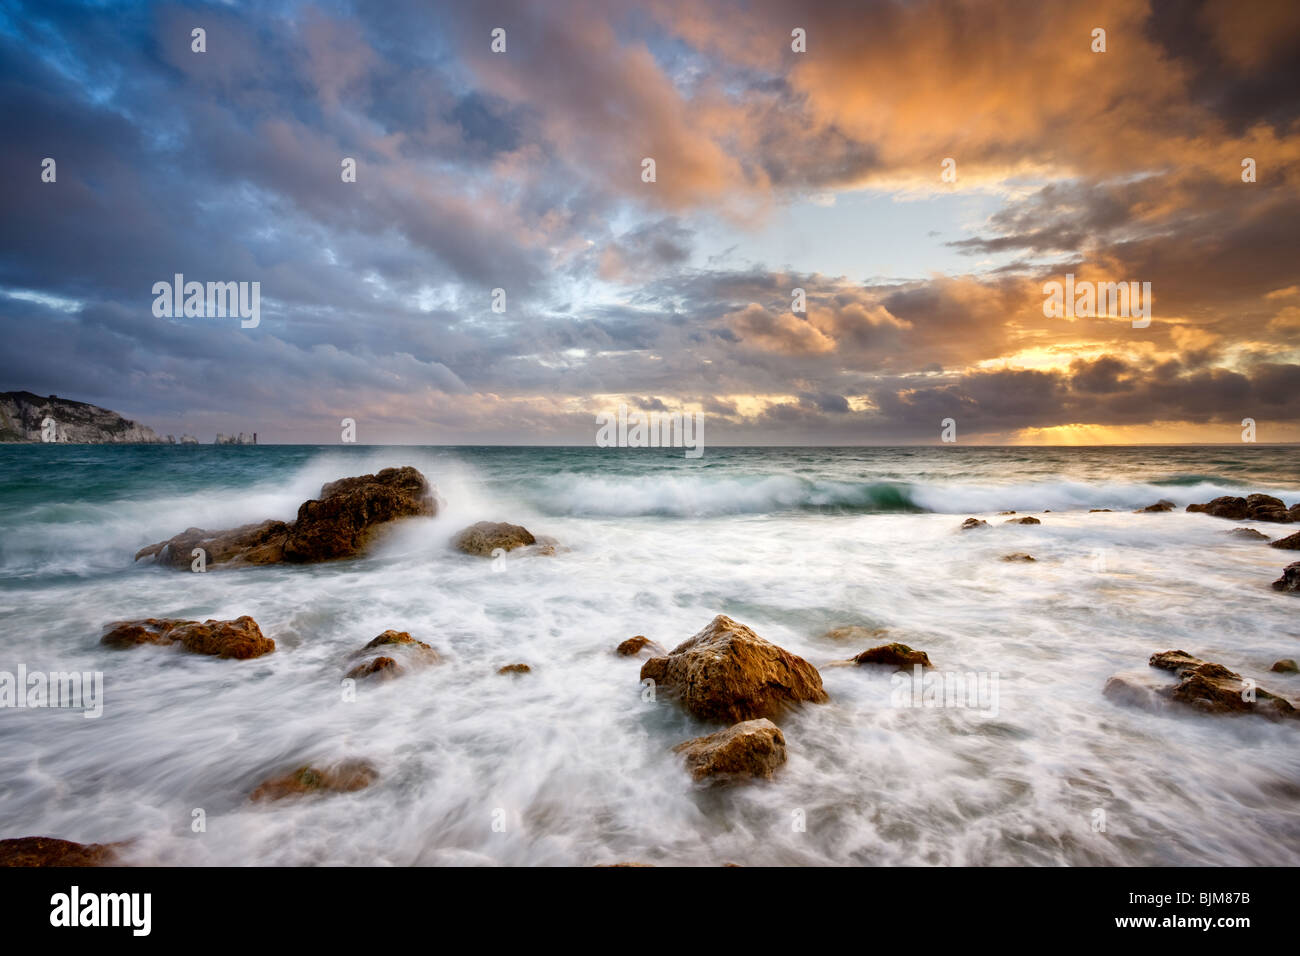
[(1285, 666), (856, 633), (971, 523), (240, 639), (338, 524), (49, 851), (728, 673), (347, 776), (1093, 511), (752, 748), (634, 645), (1250, 508), (1018, 556), (894, 654), (1164, 504), (486, 536), (1290, 543), (1290, 579), (1250, 534), (384, 667), (1027, 519), (1214, 689), (515, 669)]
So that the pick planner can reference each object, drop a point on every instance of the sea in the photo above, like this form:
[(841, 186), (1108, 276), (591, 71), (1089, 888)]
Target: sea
[(572, 764)]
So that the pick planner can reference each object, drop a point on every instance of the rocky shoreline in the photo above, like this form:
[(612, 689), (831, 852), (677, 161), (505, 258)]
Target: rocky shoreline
[(725, 674)]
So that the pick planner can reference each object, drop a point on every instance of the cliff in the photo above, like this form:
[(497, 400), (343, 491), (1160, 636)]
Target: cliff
[(22, 415)]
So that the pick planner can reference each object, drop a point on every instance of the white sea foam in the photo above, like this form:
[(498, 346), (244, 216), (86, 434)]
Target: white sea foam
[(570, 757)]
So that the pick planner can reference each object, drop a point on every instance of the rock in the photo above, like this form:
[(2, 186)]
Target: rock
[(1018, 556), (1290, 543), (1135, 692), (400, 640), (895, 654), (634, 645), (971, 523), (1214, 689), (240, 639), (1006, 512), (1250, 508), (1290, 579), (384, 667), (486, 536), (1285, 666), (23, 416), (1093, 511), (728, 673), (856, 633), (1027, 519), (753, 748), (1164, 504), (338, 524), (1250, 534), (515, 669), (49, 851), (346, 776)]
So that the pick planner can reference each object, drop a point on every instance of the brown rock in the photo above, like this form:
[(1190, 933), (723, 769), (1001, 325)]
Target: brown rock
[(338, 524), (1027, 519), (1250, 534), (384, 667), (728, 673), (1289, 543), (515, 669), (1093, 511), (1164, 504), (971, 523), (1018, 556), (344, 777), (633, 645), (1285, 666), (415, 650), (1290, 579), (240, 639), (895, 654), (1214, 689), (1252, 508), (856, 633), (753, 748), (48, 851), (486, 536)]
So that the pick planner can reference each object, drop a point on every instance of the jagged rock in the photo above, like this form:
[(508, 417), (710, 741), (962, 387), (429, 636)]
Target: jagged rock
[(1027, 519), (384, 667), (338, 524), (634, 645), (972, 523), (240, 639), (485, 537), (895, 654), (49, 851), (515, 669), (1290, 543), (1164, 504), (1250, 508), (1250, 534), (1285, 666), (1290, 579), (1018, 556), (728, 673), (344, 777), (417, 650), (753, 748), (1214, 689)]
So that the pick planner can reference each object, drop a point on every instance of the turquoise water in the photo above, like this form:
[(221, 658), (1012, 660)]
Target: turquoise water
[(792, 542)]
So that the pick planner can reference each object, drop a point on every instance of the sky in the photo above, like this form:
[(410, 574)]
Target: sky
[(775, 169)]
